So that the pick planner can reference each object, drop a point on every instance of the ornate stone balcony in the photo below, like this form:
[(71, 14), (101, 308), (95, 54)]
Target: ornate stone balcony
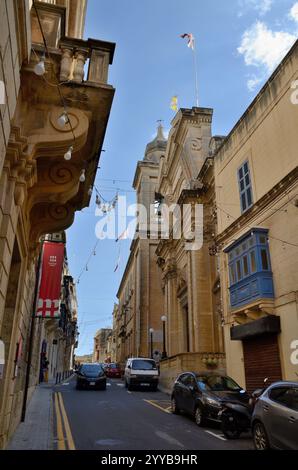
[(48, 184)]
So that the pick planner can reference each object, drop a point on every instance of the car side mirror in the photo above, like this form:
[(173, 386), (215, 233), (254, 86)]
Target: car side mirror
[(129, 367)]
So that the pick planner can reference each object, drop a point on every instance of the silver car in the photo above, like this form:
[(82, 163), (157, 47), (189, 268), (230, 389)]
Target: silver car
[(275, 417)]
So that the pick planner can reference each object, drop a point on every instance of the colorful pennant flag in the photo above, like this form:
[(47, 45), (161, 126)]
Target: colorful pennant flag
[(190, 40), (174, 103)]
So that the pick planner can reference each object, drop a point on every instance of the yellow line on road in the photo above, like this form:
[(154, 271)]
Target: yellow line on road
[(151, 402), (60, 436), (69, 437)]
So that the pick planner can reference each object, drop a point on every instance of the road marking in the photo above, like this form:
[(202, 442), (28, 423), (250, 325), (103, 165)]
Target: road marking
[(60, 436), (120, 385), (108, 384), (69, 437), (151, 402), (216, 435), (168, 438), (129, 392), (65, 383)]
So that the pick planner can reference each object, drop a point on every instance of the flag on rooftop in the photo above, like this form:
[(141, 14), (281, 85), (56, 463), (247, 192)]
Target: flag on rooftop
[(190, 40), (174, 103)]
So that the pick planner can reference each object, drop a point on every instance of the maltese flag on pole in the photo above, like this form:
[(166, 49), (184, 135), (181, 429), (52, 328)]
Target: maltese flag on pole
[(190, 40)]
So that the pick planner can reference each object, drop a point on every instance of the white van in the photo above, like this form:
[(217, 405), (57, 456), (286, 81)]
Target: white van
[(141, 371)]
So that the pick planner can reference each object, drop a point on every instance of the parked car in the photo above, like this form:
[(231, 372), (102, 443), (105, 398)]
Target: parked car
[(113, 370), (141, 372), (91, 376), (275, 417), (202, 395)]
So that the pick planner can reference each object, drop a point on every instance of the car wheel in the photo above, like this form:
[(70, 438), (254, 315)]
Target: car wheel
[(125, 383), (174, 408), (130, 387), (199, 418), (261, 441), (78, 387)]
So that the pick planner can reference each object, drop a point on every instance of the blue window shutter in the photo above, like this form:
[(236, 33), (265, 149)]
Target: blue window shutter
[(250, 268)]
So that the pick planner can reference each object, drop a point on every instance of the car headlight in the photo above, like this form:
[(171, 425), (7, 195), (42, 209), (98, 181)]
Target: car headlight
[(212, 402)]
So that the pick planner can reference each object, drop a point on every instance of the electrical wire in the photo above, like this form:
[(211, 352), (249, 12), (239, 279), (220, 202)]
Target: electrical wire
[(265, 218), (85, 268)]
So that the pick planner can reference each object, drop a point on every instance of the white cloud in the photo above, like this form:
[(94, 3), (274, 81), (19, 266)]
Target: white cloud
[(253, 82), (260, 6), (264, 48), (294, 12)]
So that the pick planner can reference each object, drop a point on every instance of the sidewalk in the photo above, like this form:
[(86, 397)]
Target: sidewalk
[(36, 433)]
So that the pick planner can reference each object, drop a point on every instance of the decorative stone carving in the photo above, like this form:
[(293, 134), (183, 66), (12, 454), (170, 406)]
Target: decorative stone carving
[(66, 64), (78, 71), (181, 284), (48, 218)]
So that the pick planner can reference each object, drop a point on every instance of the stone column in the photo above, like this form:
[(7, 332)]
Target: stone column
[(66, 64), (172, 312), (78, 72)]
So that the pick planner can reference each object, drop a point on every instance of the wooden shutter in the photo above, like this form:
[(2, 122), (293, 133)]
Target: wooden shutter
[(261, 359)]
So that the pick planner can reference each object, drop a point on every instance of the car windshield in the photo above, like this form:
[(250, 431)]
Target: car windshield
[(113, 366), (93, 369), (217, 383), (140, 364)]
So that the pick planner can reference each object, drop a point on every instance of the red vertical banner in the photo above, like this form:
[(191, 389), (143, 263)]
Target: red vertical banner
[(48, 305)]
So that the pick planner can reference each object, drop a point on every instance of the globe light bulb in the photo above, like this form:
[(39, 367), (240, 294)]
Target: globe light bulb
[(63, 119), (40, 68), (67, 155), (82, 176), (90, 191)]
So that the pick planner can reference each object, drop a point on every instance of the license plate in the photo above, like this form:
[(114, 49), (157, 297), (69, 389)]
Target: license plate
[(145, 385), (91, 383)]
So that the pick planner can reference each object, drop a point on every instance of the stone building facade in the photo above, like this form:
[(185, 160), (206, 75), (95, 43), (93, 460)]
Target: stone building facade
[(101, 350), (59, 336), (140, 295), (39, 189), (256, 182), (190, 277)]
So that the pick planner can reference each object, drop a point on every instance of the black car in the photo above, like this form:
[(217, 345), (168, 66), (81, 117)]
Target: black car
[(203, 394), (91, 376)]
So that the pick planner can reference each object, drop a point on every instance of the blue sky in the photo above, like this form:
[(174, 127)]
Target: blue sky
[(239, 43)]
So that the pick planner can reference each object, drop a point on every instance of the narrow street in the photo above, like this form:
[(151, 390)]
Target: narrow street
[(117, 419)]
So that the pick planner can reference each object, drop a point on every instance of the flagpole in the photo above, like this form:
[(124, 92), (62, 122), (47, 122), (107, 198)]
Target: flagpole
[(196, 73)]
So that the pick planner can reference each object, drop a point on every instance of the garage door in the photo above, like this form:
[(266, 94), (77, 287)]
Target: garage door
[(261, 359)]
